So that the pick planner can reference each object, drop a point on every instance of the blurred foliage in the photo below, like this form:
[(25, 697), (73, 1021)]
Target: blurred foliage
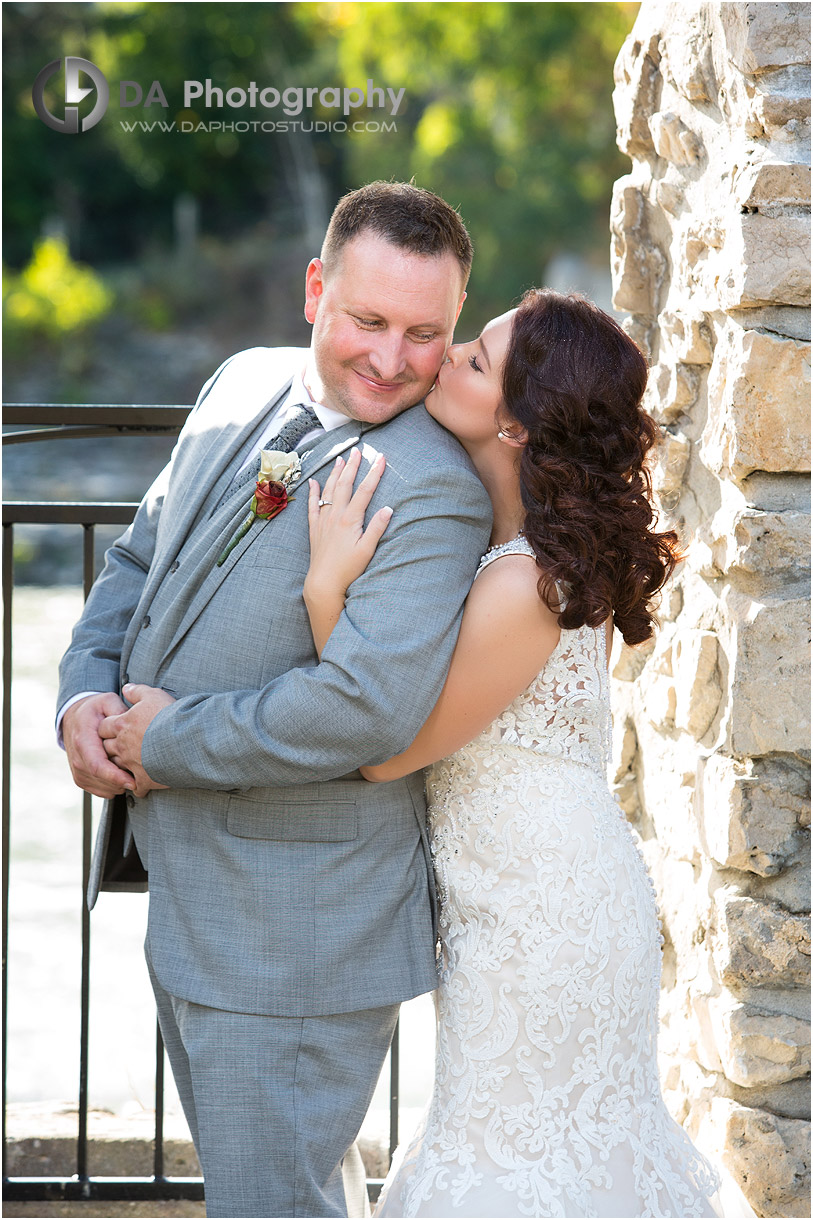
[(115, 190), (53, 298), (507, 114), (509, 117)]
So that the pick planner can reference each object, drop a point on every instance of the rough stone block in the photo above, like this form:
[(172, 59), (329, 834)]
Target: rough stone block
[(623, 770), (637, 264), (768, 1156), (790, 888), (657, 686), (671, 390), (782, 493), (769, 545), (698, 688), (673, 140), (757, 1047), (670, 196), (625, 747), (686, 336), (759, 405), (764, 36), (642, 331), (660, 702), (789, 321), (698, 252), (752, 812), (767, 184), (638, 84), (769, 658), (689, 60), (700, 236), (670, 466), (672, 602), (778, 112), (759, 944), (697, 258), (631, 661), (682, 903), (766, 261)]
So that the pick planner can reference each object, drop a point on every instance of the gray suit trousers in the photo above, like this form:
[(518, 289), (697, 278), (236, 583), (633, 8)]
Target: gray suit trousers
[(274, 1104)]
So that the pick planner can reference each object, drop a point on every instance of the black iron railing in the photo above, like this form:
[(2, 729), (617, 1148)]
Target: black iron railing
[(40, 422)]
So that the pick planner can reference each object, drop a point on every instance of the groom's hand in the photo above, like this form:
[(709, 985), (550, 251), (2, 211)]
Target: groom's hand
[(123, 734), (92, 769)]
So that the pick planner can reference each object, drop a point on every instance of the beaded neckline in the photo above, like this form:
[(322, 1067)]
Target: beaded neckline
[(503, 546), (519, 545)]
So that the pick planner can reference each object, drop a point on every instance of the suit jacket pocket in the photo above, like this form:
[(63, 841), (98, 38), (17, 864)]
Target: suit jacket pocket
[(292, 820)]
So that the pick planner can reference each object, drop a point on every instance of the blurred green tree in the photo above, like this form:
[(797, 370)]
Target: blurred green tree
[(508, 115), (114, 191), (53, 294), (52, 305)]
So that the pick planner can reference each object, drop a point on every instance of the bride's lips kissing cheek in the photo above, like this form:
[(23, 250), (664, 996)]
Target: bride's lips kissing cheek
[(467, 390)]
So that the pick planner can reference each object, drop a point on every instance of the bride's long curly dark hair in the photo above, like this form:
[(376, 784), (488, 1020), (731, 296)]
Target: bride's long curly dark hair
[(574, 381)]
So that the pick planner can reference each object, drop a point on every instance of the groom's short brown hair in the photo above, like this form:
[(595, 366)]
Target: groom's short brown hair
[(406, 215)]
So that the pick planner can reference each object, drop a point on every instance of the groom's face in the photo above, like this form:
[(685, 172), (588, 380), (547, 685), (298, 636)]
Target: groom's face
[(382, 319)]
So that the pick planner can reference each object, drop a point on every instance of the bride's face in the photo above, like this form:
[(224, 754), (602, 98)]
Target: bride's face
[(467, 393)]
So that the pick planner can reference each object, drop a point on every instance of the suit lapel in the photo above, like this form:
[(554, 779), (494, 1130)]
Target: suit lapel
[(214, 468), (326, 450), (203, 471)]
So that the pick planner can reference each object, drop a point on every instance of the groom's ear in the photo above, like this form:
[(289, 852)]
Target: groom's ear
[(460, 306), (314, 287)]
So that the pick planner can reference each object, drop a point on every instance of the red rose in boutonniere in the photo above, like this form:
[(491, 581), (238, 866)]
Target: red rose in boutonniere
[(270, 499), (278, 472)]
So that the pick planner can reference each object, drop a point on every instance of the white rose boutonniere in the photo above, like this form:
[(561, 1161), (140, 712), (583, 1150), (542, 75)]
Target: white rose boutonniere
[(279, 472)]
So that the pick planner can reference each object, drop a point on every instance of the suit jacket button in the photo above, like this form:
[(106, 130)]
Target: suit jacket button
[(126, 679), (146, 621), (174, 566), (129, 799)]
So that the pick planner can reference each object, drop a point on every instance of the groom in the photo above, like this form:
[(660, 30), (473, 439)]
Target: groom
[(291, 903)]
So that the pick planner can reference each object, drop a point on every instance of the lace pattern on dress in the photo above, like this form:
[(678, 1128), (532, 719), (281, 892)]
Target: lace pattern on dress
[(565, 712), (546, 1100)]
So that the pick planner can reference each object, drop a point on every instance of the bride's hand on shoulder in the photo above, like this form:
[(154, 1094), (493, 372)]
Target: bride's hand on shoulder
[(341, 548)]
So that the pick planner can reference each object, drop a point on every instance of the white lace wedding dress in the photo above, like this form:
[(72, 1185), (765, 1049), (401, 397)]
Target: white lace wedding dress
[(546, 1098)]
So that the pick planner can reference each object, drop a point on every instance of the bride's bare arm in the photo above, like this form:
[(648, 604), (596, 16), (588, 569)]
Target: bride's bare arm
[(506, 636)]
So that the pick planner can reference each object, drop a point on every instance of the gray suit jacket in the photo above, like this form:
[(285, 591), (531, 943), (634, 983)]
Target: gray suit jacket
[(281, 882)]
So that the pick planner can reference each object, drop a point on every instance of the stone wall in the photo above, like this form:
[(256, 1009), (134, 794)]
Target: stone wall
[(710, 252)]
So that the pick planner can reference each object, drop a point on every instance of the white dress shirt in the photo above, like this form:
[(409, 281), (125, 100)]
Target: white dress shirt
[(298, 395)]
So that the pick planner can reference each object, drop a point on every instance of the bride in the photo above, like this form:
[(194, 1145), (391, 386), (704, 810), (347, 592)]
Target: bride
[(546, 1098)]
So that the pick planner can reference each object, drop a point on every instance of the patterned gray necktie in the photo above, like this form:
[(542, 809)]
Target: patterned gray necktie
[(302, 421)]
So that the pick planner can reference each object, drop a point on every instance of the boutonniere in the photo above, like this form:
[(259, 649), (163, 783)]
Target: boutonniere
[(278, 472)]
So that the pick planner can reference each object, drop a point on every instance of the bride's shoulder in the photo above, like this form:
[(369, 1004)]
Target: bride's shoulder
[(508, 585), (508, 630)]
